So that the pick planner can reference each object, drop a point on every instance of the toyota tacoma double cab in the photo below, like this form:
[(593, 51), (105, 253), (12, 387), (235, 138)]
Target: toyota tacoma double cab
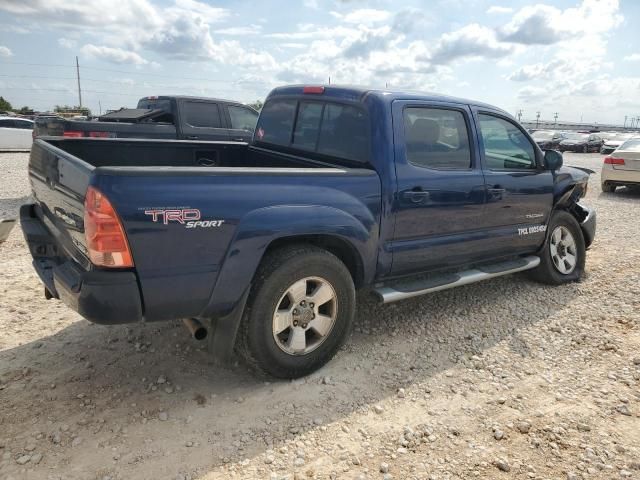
[(265, 244)]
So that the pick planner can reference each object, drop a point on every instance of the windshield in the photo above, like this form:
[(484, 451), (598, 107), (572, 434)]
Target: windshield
[(542, 135), (576, 136), (633, 144)]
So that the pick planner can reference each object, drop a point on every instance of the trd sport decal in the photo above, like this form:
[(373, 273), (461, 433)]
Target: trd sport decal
[(189, 217), (532, 229)]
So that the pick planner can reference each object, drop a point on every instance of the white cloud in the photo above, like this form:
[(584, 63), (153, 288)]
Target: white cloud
[(471, 41), (5, 51), (634, 57), (114, 55), (67, 42), (544, 25), (246, 30), (363, 16), (495, 9)]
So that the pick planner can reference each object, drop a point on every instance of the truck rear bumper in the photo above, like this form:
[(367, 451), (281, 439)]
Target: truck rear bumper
[(100, 296)]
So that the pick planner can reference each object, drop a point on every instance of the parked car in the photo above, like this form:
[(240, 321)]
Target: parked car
[(15, 133), (341, 189), (177, 117), (580, 142), (614, 141), (622, 168), (548, 139)]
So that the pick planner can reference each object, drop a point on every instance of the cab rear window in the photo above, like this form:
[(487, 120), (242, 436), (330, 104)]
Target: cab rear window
[(325, 128)]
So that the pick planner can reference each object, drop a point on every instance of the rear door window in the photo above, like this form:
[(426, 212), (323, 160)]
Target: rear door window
[(202, 115), (242, 118), (437, 138)]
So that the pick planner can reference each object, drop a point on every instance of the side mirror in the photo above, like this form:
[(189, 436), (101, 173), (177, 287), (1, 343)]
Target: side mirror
[(552, 160)]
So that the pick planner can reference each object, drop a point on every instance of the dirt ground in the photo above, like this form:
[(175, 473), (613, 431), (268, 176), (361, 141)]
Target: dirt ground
[(504, 379)]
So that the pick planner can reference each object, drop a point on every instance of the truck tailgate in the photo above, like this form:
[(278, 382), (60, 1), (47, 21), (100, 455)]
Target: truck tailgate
[(59, 182)]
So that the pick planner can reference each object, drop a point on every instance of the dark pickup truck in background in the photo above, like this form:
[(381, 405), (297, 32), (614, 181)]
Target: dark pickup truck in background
[(175, 117), (341, 189)]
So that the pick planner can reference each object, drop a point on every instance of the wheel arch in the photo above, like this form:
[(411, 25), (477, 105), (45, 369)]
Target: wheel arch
[(352, 239)]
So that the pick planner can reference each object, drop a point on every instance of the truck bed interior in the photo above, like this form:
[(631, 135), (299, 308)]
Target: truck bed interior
[(170, 153)]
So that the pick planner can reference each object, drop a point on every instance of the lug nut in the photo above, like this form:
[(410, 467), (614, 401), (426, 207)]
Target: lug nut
[(304, 325), (303, 303), (295, 323), (312, 305), (295, 311)]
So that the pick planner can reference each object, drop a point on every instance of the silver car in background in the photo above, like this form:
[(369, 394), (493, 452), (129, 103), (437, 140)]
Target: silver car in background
[(622, 167), (15, 134)]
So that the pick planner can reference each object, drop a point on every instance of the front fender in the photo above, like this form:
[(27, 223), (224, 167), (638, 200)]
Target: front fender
[(259, 228)]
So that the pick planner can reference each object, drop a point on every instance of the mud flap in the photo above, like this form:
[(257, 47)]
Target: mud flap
[(223, 332)]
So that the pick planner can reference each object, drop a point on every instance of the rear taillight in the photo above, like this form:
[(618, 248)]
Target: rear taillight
[(72, 134), (106, 241), (613, 161), (318, 90)]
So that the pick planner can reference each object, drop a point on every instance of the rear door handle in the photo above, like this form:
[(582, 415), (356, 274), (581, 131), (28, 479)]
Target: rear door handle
[(192, 137), (238, 139), (415, 196)]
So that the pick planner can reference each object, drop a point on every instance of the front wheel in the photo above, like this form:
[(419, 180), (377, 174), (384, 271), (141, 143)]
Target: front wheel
[(300, 313), (563, 256), (585, 149)]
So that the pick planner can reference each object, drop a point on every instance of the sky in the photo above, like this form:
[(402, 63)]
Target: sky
[(580, 59)]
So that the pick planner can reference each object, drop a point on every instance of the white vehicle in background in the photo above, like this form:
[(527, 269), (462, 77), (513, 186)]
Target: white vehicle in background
[(622, 167), (15, 133), (614, 141)]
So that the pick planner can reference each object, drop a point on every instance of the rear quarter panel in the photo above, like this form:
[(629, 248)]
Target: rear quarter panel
[(204, 271)]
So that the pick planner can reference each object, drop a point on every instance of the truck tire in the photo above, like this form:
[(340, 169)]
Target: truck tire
[(563, 254), (300, 311)]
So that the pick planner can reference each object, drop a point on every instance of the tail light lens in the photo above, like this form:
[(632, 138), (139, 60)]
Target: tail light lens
[(613, 161), (72, 134), (106, 241)]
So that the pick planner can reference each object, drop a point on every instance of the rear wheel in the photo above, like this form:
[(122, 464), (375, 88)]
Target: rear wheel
[(608, 187), (301, 310), (585, 149), (563, 255)]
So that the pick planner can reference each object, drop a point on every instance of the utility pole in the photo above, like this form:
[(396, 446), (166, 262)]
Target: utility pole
[(78, 75), (519, 114), (329, 79), (555, 119), (100, 107), (625, 122), (537, 119)]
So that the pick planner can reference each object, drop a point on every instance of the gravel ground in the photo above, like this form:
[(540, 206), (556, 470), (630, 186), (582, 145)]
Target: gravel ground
[(503, 379)]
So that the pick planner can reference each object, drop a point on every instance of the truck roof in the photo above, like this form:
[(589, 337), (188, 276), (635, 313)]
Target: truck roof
[(358, 93), (191, 97)]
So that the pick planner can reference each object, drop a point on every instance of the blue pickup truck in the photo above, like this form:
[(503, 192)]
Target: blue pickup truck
[(266, 243)]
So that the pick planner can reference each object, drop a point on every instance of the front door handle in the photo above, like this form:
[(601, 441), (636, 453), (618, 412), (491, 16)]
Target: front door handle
[(238, 139), (415, 196), (192, 137)]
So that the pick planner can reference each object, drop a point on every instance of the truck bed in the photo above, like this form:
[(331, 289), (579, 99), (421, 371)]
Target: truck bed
[(173, 153), (245, 197)]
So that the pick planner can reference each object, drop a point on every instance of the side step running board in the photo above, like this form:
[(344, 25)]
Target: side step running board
[(412, 288)]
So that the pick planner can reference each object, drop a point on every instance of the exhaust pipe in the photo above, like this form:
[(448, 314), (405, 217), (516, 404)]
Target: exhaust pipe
[(197, 329)]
